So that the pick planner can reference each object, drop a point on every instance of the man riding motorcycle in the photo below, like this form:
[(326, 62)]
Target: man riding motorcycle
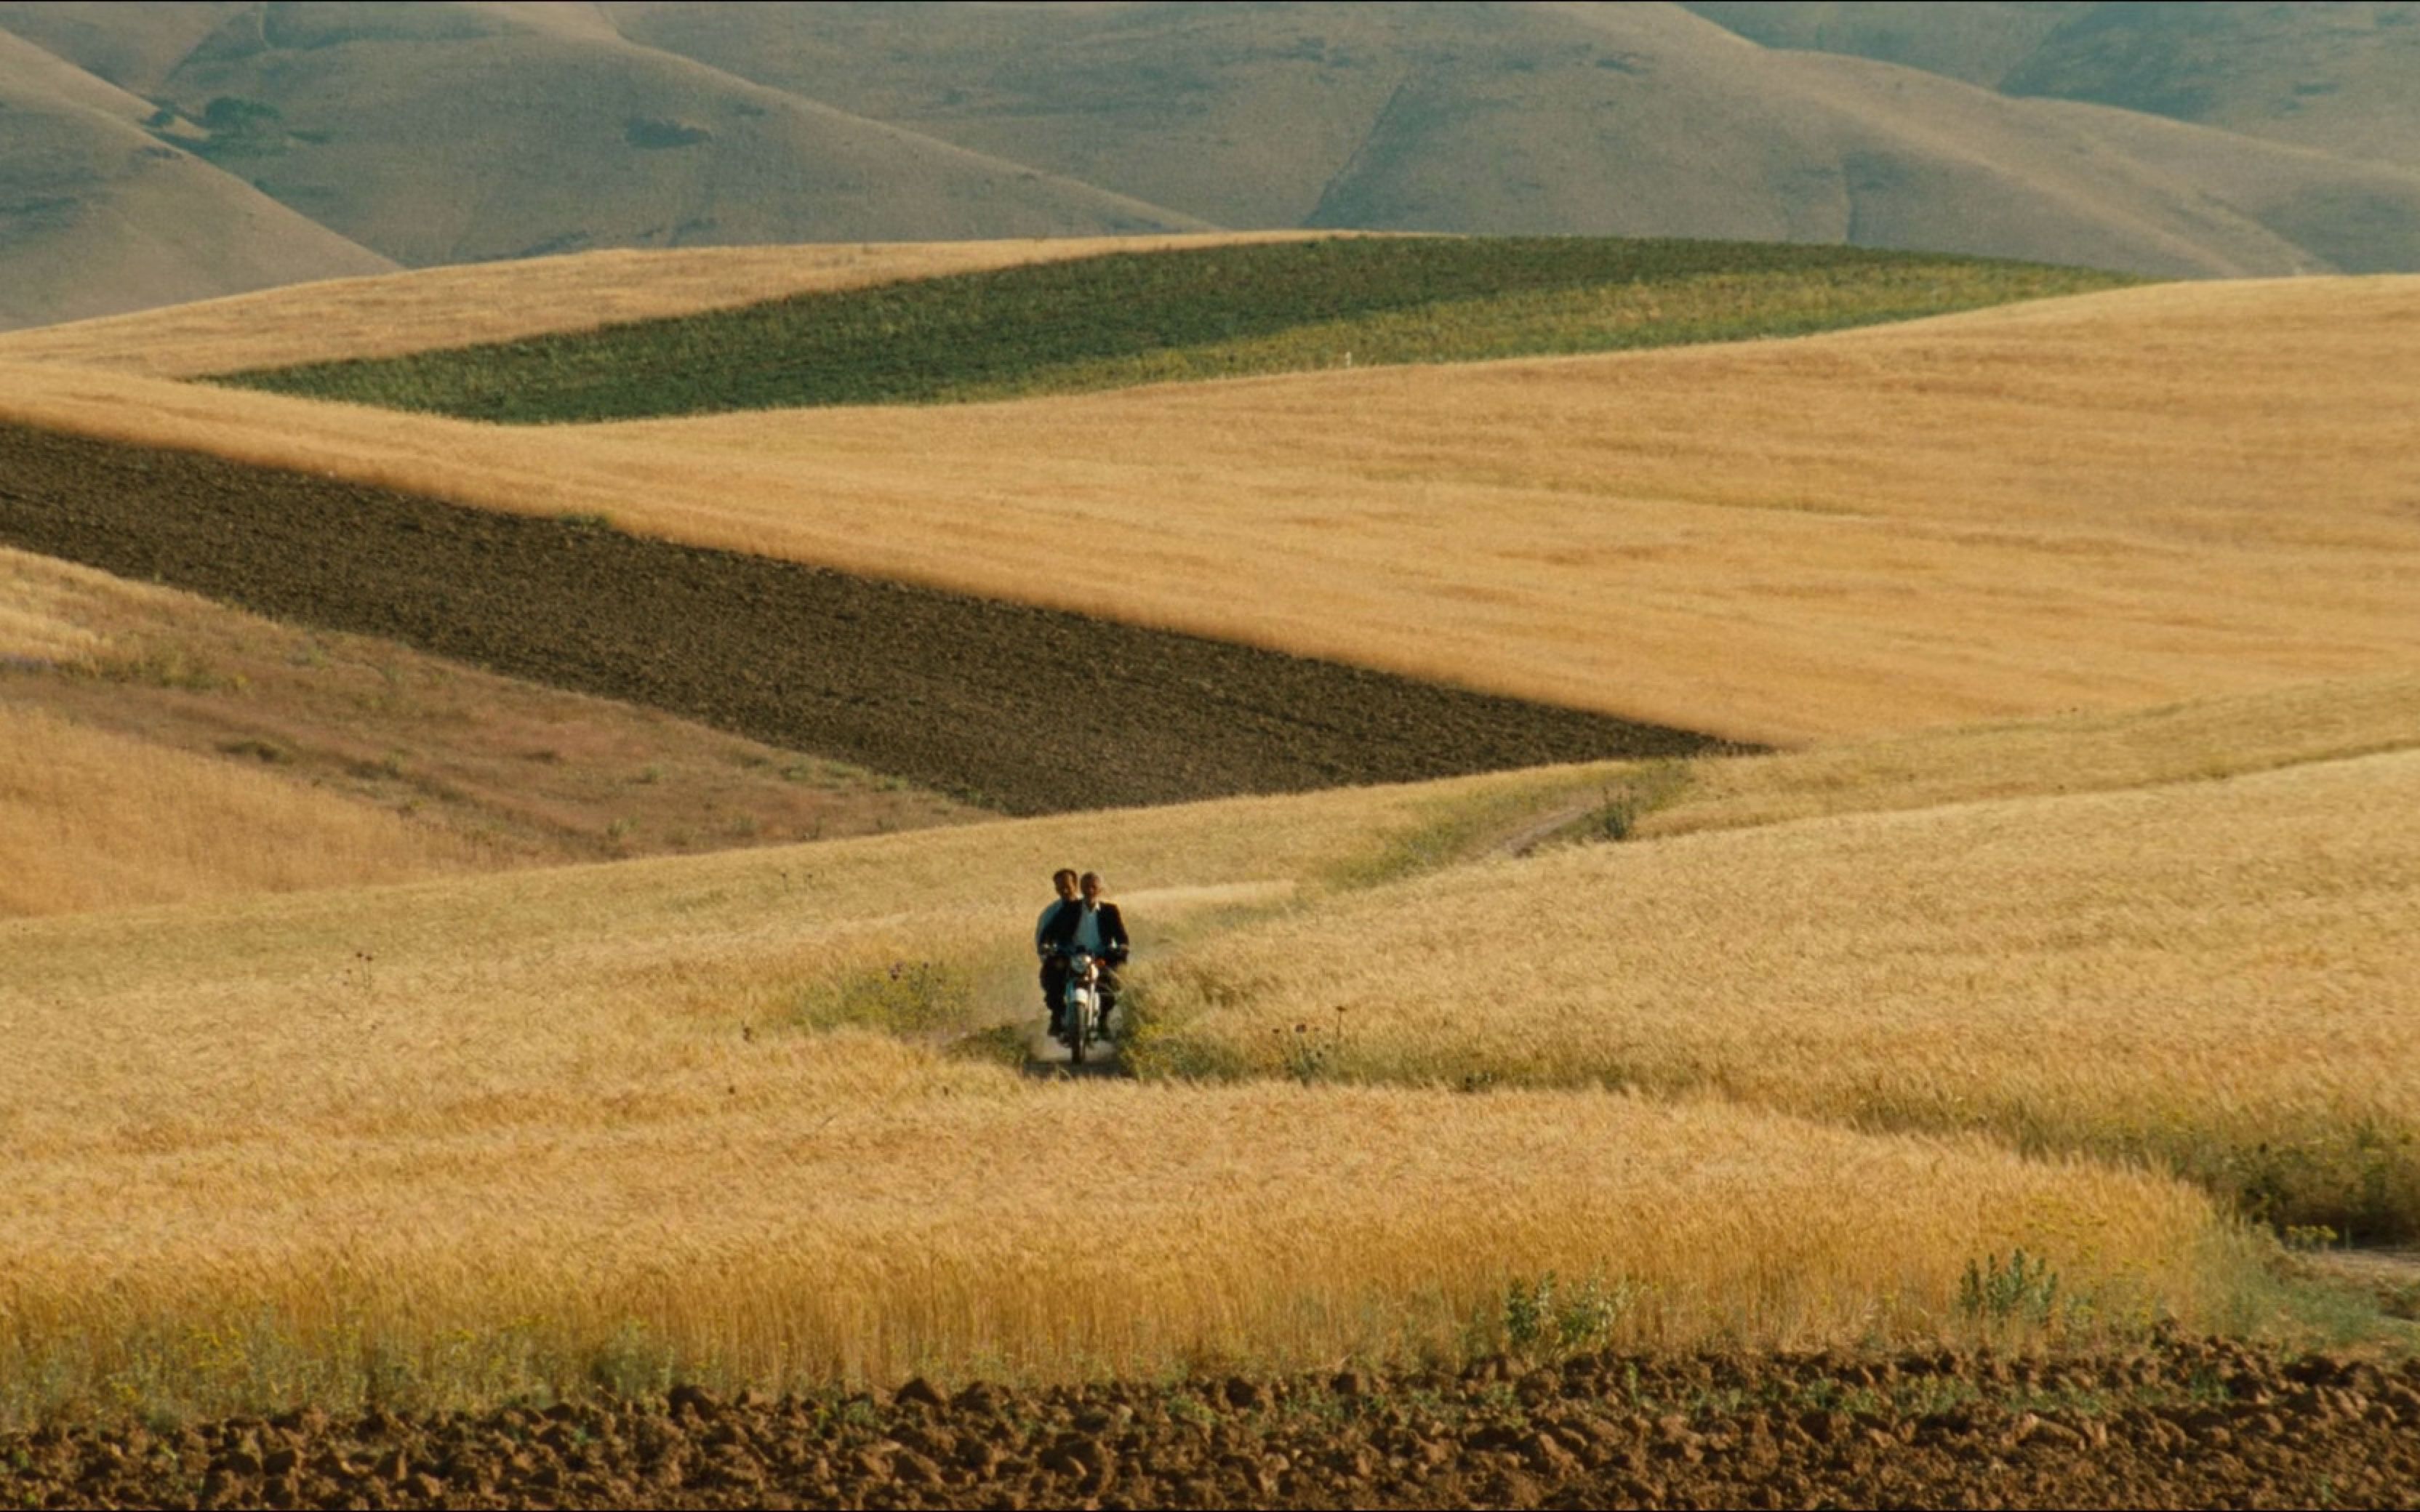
[(1054, 966), (1088, 926)]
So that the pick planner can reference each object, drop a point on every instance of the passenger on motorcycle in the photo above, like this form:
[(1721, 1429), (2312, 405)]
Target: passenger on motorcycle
[(1054, 966), (1093, 928)]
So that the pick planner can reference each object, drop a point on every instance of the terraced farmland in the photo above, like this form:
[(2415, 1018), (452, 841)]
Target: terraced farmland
[(1226, 311)]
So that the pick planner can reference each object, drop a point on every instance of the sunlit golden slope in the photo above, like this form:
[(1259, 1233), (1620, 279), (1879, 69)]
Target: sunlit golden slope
[(456, 306), (2201, 963), (499, 1133), (2102, 501)]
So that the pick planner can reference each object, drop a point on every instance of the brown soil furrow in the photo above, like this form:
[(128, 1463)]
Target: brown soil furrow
[(1022, 709), (2185, 1424)]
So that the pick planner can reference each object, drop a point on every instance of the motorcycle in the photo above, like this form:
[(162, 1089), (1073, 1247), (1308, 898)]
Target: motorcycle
[(1085, 1016)]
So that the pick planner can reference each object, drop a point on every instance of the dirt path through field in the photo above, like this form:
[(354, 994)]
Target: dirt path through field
[(1012, 708), (1047, 1057)]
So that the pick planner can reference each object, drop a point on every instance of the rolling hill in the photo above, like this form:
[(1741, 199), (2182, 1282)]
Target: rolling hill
[(2095, 501), (2218, 143), (2339, 78), (1067, 325), (96, 215), (1613, 119)]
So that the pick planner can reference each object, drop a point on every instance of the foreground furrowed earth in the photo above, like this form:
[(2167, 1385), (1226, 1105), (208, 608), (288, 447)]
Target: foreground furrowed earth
[(2178, 1424)]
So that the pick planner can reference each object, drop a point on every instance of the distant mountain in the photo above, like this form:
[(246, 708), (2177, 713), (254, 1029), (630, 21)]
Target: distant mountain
[(96, 215), (2343, 78), (1634, 119), (214, 146)]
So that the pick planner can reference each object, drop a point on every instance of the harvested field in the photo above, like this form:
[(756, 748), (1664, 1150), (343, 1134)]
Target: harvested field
[(2182, 1423), (1004, 706)]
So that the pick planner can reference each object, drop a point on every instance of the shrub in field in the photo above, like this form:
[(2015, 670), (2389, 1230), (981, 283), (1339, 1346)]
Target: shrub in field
[(2024, 1291)]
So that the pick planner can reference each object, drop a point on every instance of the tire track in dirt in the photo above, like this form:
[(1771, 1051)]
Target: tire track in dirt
[(1022, 709)]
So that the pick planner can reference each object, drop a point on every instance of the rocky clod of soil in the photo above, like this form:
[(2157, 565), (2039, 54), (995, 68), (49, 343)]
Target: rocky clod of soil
[(2182, 1425)]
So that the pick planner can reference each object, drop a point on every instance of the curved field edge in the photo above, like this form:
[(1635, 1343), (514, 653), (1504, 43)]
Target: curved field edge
[(2109, 500), (394, 313), (458, 1140), (158, 748), (1007, 707), (524, 1135), (2196, 968), (1221, 311)]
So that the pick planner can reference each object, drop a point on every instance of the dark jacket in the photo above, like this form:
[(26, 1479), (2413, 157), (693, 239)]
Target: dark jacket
[(1062, 935)]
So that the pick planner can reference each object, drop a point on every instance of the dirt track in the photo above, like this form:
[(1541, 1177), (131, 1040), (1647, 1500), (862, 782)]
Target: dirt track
[(2187, 1425), (1014, 708)]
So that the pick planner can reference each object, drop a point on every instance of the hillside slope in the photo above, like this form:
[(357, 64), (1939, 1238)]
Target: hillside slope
[(2339, 78), (447, 133), (1626, 119), (348, 319), (97, 216), (1061, 325), (450, 133), (2096, 502)]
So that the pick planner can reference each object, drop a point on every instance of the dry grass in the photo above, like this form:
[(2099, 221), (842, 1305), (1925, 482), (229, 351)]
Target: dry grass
[(90, 819), (48, 610), (551, 1127), (2094, 502), (389, 315), (2212, 977), (475, 767), (2081, 753)]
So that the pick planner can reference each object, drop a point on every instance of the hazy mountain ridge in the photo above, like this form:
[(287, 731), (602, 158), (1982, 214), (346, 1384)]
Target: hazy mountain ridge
[(2342, 78), (301, 136), (98, 216)]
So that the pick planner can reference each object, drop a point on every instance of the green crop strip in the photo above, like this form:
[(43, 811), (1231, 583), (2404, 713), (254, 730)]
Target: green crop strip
[(1215, 311)]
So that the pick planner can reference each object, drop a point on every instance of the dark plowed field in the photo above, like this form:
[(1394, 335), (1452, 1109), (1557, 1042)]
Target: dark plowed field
[(2187, 1425), (1020, 709)]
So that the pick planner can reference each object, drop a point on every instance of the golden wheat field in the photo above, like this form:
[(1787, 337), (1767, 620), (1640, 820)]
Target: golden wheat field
[(89, 819), (617, 1122), (2095, 502), (2209, 973), (93, 820), (2078, 923)]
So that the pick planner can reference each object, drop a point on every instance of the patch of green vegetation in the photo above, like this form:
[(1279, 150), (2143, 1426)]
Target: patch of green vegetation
[(1466, 826), (911, 997), (1211, 312), (164, 664)]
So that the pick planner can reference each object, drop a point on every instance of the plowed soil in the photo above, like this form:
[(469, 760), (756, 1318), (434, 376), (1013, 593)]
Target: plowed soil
[(1009, 707), (2209, 1424)]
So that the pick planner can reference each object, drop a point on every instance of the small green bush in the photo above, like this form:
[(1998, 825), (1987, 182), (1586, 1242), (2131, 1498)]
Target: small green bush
[(2025, 1290)]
